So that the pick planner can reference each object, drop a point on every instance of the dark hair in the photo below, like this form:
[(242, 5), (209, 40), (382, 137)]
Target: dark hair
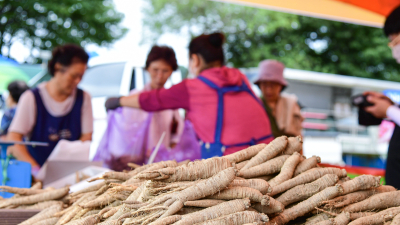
[(16, 89), (67, 55), (162, 52), (209, 46), (392, 23)]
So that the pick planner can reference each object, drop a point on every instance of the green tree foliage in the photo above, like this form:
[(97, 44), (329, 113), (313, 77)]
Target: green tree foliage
[(255, 34), (43, 24)]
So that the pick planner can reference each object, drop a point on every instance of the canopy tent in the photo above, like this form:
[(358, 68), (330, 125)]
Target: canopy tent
[(363, 12), (9, 72)]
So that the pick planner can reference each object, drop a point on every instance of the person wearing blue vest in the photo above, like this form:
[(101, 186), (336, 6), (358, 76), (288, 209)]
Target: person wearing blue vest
[(54, 110), (226, 114)]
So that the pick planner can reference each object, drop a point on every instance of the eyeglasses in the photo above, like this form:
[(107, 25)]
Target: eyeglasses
[(62, 69), (394, 42), (73, 76)]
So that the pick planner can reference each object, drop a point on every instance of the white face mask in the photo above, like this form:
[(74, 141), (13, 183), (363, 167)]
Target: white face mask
[(191, 71), (191, 75), (396, 53)]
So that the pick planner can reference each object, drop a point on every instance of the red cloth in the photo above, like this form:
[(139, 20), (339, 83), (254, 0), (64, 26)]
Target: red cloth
[(244, 117)]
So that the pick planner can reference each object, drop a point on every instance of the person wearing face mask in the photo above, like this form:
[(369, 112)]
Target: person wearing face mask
[(282, 109), (382, 107), (55, 110), (225, 113), (121, 144)]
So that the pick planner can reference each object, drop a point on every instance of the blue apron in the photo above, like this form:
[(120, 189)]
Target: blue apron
[(51, 129), (217, 148)]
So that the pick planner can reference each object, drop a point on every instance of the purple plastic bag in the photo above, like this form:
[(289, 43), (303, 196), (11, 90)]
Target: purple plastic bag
[(124, 139), (187, 148)]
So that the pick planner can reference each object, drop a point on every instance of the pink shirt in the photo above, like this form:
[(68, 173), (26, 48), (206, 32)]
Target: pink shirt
[(393, 113), (244, 118), (25, 116)]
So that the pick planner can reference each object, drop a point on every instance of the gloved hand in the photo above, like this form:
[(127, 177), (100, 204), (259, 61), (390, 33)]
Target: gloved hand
[(112, 103)]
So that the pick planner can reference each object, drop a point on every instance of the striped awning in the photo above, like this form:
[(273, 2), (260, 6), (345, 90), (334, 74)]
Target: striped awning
[(363, 12)]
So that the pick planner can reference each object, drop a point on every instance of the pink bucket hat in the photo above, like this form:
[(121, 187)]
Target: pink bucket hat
[(271, 70)]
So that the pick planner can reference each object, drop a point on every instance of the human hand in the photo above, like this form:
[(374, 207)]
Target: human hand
[(380, 106), (10, 150), (172, 145), (34, 171), (112, 103), (377, 95)]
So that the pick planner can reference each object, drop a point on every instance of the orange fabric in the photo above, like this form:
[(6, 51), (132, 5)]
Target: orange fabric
[(348, 11), (383, 7)]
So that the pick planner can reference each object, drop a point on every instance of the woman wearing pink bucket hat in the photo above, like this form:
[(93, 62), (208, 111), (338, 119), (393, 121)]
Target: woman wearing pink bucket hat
[(282, 109)]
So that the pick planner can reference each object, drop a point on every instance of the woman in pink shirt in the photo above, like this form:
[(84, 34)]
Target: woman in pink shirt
[(225, 113), (132, 134)]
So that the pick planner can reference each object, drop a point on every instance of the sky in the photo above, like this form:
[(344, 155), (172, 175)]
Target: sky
[(128, 47)]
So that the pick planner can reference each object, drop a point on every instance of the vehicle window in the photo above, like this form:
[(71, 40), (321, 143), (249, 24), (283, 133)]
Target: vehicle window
[(251, 75), (146, 76), (103, 80)]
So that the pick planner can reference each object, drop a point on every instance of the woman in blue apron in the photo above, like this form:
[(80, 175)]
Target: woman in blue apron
[(54, 110), (223, 109)]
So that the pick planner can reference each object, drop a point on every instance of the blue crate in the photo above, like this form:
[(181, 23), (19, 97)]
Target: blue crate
[(18, 175), (364, 161)]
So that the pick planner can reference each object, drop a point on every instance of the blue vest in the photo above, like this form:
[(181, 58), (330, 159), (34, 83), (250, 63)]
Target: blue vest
[(51, 129), (217, 148)]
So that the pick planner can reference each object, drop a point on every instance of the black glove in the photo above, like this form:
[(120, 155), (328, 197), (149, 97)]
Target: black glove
[(112, 103)]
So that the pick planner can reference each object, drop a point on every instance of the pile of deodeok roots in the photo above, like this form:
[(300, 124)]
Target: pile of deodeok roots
[(263, 184)]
